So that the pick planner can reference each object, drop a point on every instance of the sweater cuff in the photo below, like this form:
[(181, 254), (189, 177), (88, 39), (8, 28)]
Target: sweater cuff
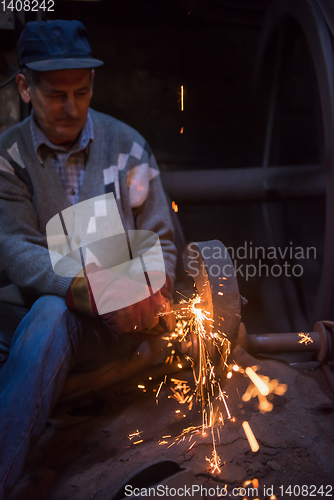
[(62, 286)]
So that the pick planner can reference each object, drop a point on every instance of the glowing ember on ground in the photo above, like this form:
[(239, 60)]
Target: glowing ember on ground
[(255, 483), (304, 338), (134, 434), (250, 436), (214, 462)]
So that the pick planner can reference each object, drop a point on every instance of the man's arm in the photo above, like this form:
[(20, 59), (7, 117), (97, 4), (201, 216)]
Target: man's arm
[(23, 249)]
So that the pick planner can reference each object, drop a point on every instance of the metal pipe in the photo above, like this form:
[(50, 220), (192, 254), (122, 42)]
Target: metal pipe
[(282, 342), (245, 184)]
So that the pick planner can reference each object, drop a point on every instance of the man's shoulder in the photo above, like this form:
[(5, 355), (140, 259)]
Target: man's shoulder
[(107, 124)]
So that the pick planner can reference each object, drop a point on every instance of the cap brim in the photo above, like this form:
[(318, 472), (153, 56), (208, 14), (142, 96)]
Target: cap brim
[(70, 63)]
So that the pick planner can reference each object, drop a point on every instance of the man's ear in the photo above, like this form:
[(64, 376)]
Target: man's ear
[(23, 87)]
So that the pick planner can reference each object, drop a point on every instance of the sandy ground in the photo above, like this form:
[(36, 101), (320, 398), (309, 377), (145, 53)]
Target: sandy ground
[(90, 460)]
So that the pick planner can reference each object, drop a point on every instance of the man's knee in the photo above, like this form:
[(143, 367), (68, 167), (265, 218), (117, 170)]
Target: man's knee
[(49, 305), (49, 320)]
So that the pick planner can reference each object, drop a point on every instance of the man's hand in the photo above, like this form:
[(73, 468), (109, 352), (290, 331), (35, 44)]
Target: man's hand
[(141, 314), (137, 317)]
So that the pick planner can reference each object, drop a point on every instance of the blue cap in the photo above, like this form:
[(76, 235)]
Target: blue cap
[(53, 45)]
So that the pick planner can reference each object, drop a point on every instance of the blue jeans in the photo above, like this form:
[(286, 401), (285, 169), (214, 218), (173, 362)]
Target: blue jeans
[(41, 346)]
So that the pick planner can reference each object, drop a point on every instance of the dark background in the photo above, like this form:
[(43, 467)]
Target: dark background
[(151, 48)]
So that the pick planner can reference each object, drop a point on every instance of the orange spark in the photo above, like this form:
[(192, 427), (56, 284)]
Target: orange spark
[(175, 206), (262, 387), (157, 395), (215, 462), (206, 380), (134, 434), (182, 104), (264, 405), (305, 338), (250, 436), (274, 387)]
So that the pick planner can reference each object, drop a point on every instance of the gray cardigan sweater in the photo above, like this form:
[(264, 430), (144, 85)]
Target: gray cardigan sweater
[(31, 193)]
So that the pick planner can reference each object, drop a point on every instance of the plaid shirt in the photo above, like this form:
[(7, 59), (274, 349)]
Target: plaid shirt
[(69, 164)]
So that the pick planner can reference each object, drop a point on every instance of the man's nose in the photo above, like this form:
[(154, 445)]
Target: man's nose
[(70, 107)]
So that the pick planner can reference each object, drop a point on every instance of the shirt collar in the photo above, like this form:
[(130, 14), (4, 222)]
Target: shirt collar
[(86, 136)]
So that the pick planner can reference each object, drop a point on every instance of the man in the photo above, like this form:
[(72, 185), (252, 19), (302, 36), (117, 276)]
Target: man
[(63, 154)]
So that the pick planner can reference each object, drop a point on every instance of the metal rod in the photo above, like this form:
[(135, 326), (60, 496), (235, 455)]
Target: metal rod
[(245, 184), (282, 342)]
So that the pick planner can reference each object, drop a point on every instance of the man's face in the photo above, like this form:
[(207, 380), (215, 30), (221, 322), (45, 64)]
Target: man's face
[(60, 102)]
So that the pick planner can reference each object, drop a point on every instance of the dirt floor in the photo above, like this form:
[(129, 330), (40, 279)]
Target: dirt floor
[(91, 460)]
